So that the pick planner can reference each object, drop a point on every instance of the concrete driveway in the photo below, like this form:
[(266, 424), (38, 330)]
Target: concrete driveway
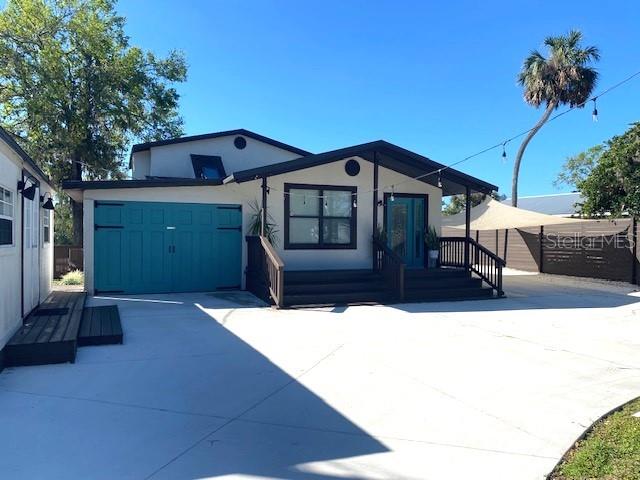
[(214, 386)]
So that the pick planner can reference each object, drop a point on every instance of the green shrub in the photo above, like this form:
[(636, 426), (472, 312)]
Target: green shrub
[(76, 277)]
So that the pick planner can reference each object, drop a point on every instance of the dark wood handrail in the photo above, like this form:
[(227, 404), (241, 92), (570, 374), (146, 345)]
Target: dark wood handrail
[(275, 272), (391, 265), (482, 261)]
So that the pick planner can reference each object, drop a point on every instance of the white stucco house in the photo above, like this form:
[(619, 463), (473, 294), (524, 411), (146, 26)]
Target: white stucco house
[(26, 237), (183, 222)]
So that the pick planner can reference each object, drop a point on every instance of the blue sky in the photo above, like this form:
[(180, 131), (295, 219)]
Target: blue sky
[(438, 78)]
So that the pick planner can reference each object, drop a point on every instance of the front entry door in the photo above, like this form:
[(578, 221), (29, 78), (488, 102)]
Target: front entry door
[(405, 222)]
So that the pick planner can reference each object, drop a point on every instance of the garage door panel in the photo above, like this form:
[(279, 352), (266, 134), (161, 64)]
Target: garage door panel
[(150, 247), (228, 250)]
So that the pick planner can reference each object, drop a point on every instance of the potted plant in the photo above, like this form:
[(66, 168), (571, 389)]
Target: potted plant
[(255, 224), (432, 244)]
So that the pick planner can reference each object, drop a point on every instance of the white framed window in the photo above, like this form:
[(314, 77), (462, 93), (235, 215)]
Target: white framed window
[(46, 226), (6, 216)]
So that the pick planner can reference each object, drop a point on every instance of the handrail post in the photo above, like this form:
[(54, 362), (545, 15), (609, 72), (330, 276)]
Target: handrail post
[(401, 282), (467, 226), (280, 291)]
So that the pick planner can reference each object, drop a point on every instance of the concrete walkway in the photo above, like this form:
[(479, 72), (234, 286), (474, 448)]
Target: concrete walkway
[(215, 386)]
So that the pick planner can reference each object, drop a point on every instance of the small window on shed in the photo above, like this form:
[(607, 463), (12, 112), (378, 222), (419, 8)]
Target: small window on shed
[(208, 167)]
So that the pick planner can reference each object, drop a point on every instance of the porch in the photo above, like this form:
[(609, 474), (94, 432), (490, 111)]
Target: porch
[(388, 281), (395, 222)]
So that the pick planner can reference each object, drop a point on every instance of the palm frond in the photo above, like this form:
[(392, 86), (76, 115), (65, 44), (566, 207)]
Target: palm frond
[(563, 76)]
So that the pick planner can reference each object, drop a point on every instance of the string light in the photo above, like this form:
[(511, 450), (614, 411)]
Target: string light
[(498, 145), (439, 179), (355, 201), (504, 152)]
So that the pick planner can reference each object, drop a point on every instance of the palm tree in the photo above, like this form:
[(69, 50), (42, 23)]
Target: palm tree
[(564, 77)]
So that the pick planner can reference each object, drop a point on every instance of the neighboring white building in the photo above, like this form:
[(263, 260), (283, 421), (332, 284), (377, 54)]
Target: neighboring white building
[(26, 237), (180, 223)]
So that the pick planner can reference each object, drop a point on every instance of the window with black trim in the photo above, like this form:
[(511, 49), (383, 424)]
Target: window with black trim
[(46, 226), (320, 217), (208, 167), (6, 216)]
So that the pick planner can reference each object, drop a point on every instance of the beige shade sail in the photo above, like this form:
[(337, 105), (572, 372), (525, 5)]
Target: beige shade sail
[(493, 215)]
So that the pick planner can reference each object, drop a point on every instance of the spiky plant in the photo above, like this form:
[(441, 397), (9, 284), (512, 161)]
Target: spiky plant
[(564, 77)]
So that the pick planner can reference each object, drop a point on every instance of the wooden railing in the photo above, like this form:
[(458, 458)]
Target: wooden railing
[(265, 271), (389, 263), (452, 252), (482, 261)]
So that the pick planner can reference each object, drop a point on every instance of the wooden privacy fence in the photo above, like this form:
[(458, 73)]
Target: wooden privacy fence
[(66, 258), (603, 249)]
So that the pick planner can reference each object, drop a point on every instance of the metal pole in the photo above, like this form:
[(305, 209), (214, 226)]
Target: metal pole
[(541, 254), (263, 223), (375, 204), (467, 226)]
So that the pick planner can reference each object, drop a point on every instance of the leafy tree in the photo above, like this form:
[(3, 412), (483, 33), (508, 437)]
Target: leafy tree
[(613, 186), (564, 77), (578, 167), (76, 93), (457, 202)]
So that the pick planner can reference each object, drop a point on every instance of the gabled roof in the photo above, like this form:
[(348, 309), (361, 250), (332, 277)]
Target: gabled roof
[(206, 136), (389, 156), (563, 204), (9, 140)]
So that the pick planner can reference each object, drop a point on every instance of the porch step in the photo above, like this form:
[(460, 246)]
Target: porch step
[(426, 283), (336, 298), (441, 294), (373, 284), (328, 276), (349, 287)]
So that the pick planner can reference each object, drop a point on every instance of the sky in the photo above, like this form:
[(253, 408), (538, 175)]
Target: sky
[(438, 78)]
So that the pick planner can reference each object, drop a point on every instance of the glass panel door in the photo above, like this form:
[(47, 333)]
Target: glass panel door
[(405, 228)]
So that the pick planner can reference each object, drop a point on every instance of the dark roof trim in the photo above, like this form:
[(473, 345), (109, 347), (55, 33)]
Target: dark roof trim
[(241, 131), (364, 150), (110, 184), (9, 140)]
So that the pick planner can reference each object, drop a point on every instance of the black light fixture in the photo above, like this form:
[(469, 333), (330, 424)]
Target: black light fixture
[(48, 205), (28, 192)]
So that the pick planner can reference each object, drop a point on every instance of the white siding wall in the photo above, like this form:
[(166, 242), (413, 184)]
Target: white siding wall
[(10, 256), (141, 165), (175, 161), (244, 194)]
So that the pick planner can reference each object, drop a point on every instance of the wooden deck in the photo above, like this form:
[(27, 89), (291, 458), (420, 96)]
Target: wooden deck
[(353, 287), (100, 326), (50, 333)]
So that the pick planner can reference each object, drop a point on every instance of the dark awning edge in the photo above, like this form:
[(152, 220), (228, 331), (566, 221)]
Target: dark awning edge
[(111, 184), (391, 156)]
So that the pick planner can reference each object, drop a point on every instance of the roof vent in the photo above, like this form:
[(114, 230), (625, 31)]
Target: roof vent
[(240, 142)]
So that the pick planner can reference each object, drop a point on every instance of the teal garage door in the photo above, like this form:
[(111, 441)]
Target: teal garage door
[(147, 247)]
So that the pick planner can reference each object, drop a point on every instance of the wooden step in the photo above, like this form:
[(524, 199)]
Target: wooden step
[(436, 273), (336, 287), (49, 334), (332, 299), (100, 326), (328, 276), (421, 295), (442, 283)]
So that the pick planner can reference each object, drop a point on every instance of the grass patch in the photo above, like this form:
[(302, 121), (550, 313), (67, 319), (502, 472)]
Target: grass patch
[(76, 277), (610, 451)]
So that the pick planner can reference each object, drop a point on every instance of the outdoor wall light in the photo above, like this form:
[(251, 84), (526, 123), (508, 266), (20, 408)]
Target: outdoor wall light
[(48, 205), (28, 192)]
